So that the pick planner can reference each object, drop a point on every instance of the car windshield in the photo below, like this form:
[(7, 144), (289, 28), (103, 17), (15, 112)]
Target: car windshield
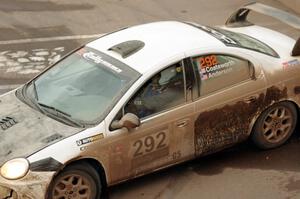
[(83, 87)]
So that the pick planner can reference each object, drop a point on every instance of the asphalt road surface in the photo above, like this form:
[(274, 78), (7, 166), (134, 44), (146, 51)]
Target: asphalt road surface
[(35, 34)]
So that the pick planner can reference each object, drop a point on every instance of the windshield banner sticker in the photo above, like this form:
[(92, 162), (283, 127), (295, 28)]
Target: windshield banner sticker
[(98, 60)]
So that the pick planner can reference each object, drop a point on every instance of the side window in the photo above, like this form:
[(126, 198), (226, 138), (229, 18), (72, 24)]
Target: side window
[(163, 91), (215, 72)]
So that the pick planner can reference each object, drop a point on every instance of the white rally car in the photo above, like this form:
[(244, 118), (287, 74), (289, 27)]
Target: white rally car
[(145, 98)]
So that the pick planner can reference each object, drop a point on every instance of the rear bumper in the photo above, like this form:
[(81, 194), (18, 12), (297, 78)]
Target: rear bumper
[(33, 186)]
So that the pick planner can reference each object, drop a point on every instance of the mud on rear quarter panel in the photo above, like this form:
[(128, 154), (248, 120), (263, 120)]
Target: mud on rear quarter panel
[(222, 127)]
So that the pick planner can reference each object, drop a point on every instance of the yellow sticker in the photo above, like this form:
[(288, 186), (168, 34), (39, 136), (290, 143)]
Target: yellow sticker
[(89, 139)]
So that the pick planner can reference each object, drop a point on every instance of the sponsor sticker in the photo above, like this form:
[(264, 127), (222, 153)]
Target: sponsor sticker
[(292, 63), (98, 60), (83, 148), (88, 140), (209, 67)]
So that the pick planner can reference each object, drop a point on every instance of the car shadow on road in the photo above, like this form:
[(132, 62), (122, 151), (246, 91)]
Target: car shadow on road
[(246, 156)]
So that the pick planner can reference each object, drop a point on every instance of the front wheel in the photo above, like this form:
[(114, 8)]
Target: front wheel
[(275, 125), (78, 181)]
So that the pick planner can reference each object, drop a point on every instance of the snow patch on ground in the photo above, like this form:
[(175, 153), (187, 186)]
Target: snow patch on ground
[(29, 62)]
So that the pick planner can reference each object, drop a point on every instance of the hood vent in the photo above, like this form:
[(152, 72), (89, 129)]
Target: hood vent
[(7, 122), (52, 138)]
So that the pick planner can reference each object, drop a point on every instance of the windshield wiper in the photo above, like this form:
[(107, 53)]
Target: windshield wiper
[(60, 114)]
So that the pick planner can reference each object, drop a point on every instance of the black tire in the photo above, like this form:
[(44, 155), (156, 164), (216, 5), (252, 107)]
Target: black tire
[(275, 125), (76, 180)]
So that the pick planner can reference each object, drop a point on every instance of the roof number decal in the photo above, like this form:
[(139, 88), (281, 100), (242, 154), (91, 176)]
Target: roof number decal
[(218, 35)]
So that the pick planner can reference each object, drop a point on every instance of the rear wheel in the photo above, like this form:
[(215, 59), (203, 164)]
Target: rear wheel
[(78, 181), (275, 125)]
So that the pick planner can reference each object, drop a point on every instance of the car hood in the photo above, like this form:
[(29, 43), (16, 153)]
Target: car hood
[(24, 130)]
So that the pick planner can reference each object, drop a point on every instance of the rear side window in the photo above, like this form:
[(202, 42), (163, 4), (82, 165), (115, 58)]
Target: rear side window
[(239, 40), (215, 72), (248, 42)]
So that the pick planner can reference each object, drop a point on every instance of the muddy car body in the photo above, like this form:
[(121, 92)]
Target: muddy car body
[(171, 91)]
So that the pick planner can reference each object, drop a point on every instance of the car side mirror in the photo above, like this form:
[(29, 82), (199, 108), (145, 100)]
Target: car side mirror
[(129, 121)]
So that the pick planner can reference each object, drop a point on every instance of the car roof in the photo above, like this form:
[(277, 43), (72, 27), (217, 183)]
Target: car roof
[(155, 43)]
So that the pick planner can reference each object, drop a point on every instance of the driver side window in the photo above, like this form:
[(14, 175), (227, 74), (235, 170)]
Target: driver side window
[(163, 91)]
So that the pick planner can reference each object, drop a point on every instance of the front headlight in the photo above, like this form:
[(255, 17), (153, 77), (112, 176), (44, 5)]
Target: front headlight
[(15, 169)]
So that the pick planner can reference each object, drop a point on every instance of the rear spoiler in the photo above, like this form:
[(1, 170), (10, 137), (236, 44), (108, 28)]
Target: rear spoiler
[(239, 19)]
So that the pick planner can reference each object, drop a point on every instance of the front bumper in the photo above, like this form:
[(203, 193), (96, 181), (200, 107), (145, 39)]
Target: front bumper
[(7, 193), (33, 186)]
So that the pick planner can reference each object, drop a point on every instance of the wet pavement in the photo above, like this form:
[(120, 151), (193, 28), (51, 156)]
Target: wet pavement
[(32, 38)]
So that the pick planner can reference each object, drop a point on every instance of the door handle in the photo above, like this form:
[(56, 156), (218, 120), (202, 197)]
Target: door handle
[(251, 99), (182, 124)]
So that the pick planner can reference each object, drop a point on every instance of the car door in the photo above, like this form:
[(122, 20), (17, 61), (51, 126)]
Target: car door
[(165, 134), (231, 89)]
